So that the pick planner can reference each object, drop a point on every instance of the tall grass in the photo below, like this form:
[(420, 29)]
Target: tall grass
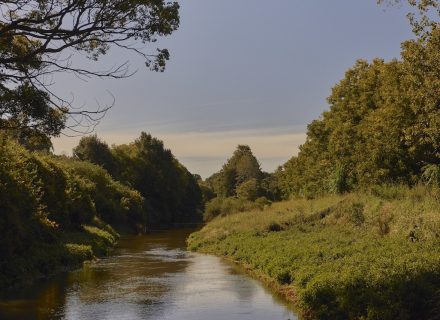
[(371, 255)]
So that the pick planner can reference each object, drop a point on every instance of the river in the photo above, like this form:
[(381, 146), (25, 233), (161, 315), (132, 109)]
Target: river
[(149, 277)]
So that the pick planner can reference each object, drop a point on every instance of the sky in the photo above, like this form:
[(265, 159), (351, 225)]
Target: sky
[(241, 72)]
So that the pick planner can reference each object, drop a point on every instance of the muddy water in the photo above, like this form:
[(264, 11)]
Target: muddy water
[(149, 277)]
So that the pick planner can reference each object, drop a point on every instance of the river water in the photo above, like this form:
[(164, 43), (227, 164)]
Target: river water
[(149, 277)]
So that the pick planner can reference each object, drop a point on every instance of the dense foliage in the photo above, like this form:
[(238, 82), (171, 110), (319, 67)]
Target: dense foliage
[(38, 39), (240, 185), (356, 256), (239, 169), (171, 193), (55, 212), (383, 126)]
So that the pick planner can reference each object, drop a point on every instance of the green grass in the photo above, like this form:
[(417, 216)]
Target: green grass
[(356, 256)]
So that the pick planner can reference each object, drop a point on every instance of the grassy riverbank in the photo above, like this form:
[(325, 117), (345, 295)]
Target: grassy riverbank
[(356, 256)]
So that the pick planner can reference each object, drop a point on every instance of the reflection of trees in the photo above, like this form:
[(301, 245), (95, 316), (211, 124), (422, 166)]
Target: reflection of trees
[(208, 281), (241, 286), (50, 299), (37, 302), (131, 279), (147, 278)]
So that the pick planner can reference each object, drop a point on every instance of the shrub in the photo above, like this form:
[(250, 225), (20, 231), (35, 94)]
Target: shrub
[(274, 227), (44, 199), (262, 202), (213, 208), (431, 174), (248, 190), (354, 256), (226, 206)]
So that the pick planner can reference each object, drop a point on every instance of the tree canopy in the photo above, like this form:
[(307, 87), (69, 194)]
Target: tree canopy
[(424, 17), (94, 150), (171, 193), (383, 126), (240, 168), (39, 38)]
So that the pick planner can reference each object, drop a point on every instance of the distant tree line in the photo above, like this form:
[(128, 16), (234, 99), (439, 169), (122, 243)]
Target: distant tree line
[(382, 127), (240, 185), (171, 193)]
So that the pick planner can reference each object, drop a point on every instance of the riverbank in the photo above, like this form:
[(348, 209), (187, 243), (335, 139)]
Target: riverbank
[(56, 212), (355, 256), (64, 252), (149, 276)]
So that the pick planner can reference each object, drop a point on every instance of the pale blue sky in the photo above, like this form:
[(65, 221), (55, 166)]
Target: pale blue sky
[(247, 71)]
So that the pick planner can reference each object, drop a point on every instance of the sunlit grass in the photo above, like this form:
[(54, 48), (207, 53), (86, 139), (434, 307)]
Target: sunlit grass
[(363, 256)]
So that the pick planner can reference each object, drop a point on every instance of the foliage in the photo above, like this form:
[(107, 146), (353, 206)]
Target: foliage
[(240, 168), (225, 206), (351, 256), (383, 126), (249, 190), (240, 185), (431, 174), (27, 117), (171, 194), (426, 15), (92, 149), (51, 207), (168, 187), (39, 38)]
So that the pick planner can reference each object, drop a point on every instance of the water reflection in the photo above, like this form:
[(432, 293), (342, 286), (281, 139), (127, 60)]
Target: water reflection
[(148, 277)]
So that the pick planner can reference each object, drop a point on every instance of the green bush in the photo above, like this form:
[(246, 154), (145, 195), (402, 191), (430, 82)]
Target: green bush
[(351, 256), (47, 200), (431, 174), (248, 190), (225, 206)]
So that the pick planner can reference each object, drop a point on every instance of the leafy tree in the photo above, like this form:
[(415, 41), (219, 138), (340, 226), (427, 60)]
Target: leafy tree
[(245, 164), (26, 117), (96, 151), (169, 189), (421, 62), (206, 190), (424, 19), (240, 168), (249, 190), (39, 38), (383, 126), (223, 182), (270, 185)]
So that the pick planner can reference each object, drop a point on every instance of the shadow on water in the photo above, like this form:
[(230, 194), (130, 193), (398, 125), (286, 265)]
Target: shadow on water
[(148, 277)]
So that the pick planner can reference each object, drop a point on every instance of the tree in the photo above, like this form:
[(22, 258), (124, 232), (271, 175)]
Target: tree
[(424, 18), (249, 190), (241, 167), (383, 126), (246, 165), (168, 188), (95, 151), (421, 61), (39, 37)]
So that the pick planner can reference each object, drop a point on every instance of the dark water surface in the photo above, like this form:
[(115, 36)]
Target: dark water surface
[(149, 277)]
